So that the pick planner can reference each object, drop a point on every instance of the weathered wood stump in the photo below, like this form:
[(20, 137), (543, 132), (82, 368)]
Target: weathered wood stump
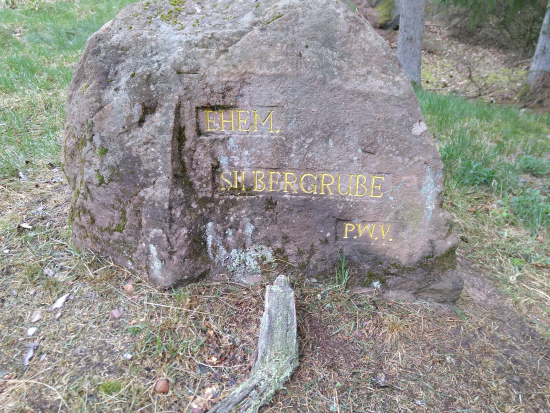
[(277, 353)]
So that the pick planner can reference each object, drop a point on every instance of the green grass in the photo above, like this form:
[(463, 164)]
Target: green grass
[(341, 276), (39, 44), (493, 148), (110, 387), (496, 188)]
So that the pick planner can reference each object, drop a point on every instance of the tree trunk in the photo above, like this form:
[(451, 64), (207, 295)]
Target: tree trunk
[(277, 353), (409, 41), (537, 83)]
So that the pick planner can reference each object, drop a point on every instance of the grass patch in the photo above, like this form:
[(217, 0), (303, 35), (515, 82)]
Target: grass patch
[(39, 44), (492, 148), (110, 387), (496, 187)]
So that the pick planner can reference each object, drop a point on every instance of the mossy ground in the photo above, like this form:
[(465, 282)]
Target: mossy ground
[(488, 352)]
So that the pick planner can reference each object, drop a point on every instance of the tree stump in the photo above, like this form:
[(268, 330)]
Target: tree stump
[(277, 353)]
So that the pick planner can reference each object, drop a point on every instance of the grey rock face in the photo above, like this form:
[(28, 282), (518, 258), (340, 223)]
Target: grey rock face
[(211, 138)]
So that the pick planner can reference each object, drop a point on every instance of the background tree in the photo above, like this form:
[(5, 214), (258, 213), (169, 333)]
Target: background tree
[(409, 40), (537, 81), (513, 14)]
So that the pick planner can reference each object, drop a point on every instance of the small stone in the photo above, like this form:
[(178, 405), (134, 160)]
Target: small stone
[(31, 331), (162, 386), (358, 335)]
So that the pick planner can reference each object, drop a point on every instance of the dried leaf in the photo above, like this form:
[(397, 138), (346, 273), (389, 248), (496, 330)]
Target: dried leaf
[(381, 381), (129, 288), (30, 353), (58, 315), (22, 176), (92, 296), (59, 302), (25, 225), (117, 313), (35, 316), (203, 403)]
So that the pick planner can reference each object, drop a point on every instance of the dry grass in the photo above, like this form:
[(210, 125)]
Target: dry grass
[(515, 262)]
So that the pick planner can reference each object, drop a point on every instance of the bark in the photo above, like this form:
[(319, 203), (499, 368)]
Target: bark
[(277, 353), (409, 40), (540, 67)]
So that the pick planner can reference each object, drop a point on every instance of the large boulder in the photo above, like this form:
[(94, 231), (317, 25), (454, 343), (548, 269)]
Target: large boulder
[(214, 139)]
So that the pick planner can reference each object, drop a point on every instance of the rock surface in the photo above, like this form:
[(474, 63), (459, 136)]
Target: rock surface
[(212, 138)]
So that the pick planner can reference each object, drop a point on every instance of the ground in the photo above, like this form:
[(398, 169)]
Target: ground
[(115, 334)]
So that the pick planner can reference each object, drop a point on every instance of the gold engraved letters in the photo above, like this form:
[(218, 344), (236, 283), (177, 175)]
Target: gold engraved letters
[(317, 184), (287, 182), (365, 230), (237, 120)]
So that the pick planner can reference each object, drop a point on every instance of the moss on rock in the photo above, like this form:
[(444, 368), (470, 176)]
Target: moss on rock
[(385, 10)]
